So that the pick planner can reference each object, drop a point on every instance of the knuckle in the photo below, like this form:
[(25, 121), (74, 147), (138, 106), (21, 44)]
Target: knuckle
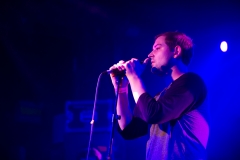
[(112, 67)]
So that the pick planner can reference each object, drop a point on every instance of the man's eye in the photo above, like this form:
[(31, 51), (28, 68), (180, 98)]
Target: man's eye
[(158, 48)]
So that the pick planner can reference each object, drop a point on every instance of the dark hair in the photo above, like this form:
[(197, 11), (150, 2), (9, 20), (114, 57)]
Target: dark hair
[(172, 39)]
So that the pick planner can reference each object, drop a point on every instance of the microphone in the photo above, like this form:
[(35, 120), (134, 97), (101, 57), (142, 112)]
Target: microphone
[(115, 71)]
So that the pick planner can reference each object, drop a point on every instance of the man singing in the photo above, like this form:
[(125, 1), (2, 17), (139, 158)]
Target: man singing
[(178, 114)]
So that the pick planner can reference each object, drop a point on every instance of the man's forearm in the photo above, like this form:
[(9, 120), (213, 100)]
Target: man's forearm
[(137, 87), (123, 109)]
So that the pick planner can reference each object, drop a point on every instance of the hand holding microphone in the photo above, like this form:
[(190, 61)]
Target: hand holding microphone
[(124, 69), (119, 68), (135, 67), (117, 74)]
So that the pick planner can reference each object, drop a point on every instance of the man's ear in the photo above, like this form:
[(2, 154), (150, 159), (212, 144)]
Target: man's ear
[(177, 52)]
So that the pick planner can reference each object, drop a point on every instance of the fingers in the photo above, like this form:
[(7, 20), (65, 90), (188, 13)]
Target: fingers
[(121, 62), (131, 62), (146, 61), (117, 68), (120, 66), (134, 59)]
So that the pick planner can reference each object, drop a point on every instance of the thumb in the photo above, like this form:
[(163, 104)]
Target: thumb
[(146, 61)]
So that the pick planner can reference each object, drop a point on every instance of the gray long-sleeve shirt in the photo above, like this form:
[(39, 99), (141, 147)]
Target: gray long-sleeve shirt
[(178, 118)]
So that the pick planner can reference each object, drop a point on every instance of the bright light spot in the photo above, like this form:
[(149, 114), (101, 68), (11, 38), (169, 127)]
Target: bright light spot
[(224, 46)]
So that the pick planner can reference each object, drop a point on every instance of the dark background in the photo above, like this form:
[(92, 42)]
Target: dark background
[(52, 52)]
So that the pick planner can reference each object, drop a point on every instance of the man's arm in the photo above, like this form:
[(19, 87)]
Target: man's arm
[(184, 94), (137, 87), (130, 127), (123, 109), (134, 70)]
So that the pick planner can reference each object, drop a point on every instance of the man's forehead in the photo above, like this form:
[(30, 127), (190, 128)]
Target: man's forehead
[(159, 41)]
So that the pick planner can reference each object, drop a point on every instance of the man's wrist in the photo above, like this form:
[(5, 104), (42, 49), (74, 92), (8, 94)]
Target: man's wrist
[(122, 90), (133, 78)]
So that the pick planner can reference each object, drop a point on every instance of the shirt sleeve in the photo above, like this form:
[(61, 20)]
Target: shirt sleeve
[(179, 98), (136, 128)]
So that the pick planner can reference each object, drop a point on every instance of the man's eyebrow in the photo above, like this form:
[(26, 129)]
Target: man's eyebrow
[(156, 45)]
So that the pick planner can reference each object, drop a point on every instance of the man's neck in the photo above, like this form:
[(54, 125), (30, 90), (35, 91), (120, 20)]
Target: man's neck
[(178, 70)]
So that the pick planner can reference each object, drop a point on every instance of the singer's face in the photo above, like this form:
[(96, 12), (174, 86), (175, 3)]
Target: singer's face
[(161, 56)]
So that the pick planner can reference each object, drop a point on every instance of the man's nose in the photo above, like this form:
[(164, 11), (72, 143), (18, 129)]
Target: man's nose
[(150, 54)]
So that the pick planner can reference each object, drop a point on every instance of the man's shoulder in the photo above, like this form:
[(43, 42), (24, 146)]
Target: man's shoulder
[(191, 81), (188, 77), (192, 78), (192, 75)]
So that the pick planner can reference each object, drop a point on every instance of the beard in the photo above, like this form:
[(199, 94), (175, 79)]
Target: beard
[(164, 70)]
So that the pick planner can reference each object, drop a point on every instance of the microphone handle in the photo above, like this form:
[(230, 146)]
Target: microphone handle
[(116, 72), (122, 73)]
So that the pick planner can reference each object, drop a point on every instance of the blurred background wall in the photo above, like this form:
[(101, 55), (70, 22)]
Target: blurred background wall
[(52, 52)]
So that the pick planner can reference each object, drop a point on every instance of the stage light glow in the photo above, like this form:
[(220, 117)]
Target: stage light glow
[(224, 46)]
